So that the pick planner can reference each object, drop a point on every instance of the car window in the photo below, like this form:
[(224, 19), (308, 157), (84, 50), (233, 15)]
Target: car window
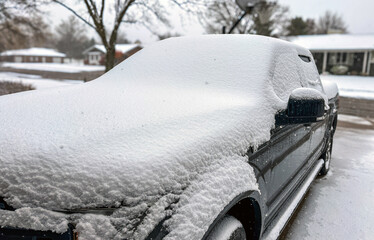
[(286, 75), (310, 76)]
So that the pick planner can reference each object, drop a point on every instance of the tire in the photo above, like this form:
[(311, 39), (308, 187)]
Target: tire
[(228, 228), (326, 156)]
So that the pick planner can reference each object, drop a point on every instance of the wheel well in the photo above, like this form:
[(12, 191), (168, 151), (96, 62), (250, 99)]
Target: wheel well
[(247, 211)]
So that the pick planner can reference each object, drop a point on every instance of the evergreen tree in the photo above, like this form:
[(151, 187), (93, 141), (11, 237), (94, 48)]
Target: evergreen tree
[(297, 26), (72, 38)]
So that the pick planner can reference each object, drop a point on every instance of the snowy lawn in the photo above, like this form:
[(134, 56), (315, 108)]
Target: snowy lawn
[(353, 86), (35, 80), (340, 205), (54, 67)]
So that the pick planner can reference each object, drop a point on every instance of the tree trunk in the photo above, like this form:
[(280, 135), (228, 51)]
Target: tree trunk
[(110, 58)]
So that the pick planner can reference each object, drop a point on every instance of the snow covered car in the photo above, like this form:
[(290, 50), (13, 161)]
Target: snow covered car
[(190, 138)]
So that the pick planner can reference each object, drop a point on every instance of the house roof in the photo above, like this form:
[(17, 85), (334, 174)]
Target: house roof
[(335, 42), (40, 52), (119, 47)]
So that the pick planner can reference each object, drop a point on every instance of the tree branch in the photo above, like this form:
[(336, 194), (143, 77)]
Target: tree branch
[(119, 20), (74, 12), (100, 28), (102, 9)]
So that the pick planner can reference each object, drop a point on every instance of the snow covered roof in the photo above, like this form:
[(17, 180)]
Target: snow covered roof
[(41, 52), (119, 47), (335, 42)]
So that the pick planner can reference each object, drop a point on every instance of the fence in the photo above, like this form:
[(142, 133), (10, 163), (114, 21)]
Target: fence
[(357, 107)]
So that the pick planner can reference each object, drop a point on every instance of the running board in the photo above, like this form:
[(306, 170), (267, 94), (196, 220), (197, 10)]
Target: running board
[(281, 221)]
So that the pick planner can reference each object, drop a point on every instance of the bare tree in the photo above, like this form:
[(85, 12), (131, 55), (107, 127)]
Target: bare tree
[(96, 13), (268, 19), (122, 38), (221, 14), (331, 22), (311, 26), (21, 24), (124, 11), (271, 19)]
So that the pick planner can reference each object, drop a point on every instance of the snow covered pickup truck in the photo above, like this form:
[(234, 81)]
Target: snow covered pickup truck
[(209, 137)]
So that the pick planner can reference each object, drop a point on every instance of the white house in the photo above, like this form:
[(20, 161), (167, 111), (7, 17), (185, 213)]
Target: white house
[(354, 52), (32, 55), (95, 55)]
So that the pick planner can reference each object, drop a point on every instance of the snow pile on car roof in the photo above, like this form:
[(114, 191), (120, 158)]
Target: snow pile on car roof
[(164, 132)]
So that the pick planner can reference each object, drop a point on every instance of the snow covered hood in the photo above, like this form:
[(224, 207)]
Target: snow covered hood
[(145, 131)]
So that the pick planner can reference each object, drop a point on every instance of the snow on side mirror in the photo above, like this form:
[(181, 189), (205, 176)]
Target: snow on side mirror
[(305, 105)]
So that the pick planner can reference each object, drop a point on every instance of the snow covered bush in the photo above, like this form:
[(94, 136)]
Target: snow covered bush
[(339, 70), (13, 87)]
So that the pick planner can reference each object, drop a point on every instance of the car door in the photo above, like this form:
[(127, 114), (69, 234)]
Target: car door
[(289, 144), (318, 131), (289, 151)]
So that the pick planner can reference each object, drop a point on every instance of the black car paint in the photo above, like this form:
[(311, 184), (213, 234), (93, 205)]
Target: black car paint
[(266, 162), (280, 167), (286, 146), (26, 234)]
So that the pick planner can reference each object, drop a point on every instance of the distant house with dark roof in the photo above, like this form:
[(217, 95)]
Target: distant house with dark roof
[(95, 55), (354, 52), (38, 55)]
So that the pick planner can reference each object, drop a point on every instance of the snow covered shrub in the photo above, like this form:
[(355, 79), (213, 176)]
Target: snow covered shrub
[(13, 87), (339, 70)]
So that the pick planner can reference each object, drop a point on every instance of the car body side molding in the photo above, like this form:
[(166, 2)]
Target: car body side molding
[(281, 221)]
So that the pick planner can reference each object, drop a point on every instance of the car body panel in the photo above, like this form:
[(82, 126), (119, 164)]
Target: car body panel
[(164, 152)]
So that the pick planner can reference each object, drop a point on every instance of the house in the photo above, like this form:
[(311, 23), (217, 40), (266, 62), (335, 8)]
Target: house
[(95, 55), (32, 55), (340, 53)]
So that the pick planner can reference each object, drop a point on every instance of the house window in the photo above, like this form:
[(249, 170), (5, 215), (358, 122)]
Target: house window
[(340, 58), (18, 59)]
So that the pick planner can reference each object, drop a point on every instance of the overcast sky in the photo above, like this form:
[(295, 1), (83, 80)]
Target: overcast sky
[(358, 15)]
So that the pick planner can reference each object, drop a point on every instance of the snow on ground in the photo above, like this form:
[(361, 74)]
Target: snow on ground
[(35, 80), (353, 86), (340, 205), (54, 67)]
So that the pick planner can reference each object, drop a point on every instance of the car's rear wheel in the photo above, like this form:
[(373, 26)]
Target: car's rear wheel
[(326, 156), (228, 228)]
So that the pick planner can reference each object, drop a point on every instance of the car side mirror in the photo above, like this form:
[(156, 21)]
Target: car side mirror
[(305, 105)]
